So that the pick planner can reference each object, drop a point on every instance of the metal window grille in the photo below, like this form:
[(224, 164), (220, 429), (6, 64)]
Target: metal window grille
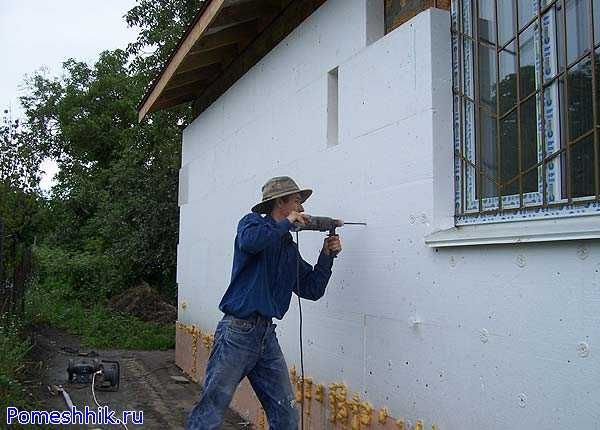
[(526, 84)]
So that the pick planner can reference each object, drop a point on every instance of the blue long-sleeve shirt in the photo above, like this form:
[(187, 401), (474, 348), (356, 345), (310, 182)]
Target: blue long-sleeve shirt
[(263, 275)]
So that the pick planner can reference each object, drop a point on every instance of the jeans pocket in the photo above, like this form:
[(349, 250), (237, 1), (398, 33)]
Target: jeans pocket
[(240, 326)]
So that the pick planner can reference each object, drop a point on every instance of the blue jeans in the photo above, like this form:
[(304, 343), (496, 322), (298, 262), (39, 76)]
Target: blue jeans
[(245, 347)]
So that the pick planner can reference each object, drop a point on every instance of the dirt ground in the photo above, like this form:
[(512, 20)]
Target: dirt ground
[(145, 383)]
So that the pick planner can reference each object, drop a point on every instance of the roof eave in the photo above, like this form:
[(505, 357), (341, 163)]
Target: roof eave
[(204, 18)]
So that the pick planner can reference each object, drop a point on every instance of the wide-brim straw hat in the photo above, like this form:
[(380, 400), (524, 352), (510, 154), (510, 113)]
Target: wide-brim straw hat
[(279, 186)]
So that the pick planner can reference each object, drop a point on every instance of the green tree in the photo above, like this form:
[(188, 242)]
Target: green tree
[(21, 207), (162, 23), (19, 163), (114, 207)]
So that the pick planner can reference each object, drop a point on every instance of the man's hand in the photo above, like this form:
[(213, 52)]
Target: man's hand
[(297, 217), (332, 244)]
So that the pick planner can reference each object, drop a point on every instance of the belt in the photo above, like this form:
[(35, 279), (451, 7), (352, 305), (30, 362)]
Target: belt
[(255, 318)]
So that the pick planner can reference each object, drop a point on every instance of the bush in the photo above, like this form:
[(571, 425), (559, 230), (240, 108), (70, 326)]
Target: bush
[(13, 353), (89, 276), (56, 304)]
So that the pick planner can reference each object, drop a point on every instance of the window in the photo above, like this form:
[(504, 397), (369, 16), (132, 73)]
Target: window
[(526, 107)]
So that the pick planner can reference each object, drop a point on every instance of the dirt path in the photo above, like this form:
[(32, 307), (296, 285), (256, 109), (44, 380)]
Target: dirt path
[(146, 384)]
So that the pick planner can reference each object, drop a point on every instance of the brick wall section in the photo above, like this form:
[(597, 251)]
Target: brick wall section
[(397, 12)]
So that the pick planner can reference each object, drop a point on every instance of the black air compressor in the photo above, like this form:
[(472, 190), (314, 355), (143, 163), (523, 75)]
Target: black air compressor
[(81, 371)]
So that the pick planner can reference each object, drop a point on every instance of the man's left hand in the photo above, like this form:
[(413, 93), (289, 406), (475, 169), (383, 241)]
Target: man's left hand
[(332, 244)]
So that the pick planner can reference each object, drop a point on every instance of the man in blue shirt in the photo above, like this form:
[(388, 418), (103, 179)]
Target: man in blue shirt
[(266, 266)]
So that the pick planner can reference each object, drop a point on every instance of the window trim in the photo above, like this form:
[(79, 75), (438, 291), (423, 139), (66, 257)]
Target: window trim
[(582, 227)]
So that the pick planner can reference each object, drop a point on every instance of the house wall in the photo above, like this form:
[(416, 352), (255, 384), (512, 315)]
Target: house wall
[(489, 337)]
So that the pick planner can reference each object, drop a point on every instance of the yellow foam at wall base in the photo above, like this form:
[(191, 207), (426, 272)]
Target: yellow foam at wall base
[(324, 408)]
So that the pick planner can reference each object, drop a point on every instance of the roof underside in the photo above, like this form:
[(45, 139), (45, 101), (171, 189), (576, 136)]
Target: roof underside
[(226, 39)]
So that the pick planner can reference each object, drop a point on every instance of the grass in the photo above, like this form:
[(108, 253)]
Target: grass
[(55, 304), (13, 355)]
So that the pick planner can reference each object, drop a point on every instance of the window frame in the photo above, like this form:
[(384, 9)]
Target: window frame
[(549, 200)]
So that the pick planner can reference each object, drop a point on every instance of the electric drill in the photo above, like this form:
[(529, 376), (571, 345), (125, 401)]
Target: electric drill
[(323, 223)]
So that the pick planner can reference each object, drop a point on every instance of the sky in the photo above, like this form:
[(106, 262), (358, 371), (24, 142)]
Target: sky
[(44, 33)]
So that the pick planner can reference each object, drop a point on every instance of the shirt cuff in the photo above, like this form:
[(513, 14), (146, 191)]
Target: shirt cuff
[(325, 260)]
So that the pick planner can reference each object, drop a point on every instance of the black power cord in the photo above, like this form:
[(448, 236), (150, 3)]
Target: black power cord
[(301, 348)]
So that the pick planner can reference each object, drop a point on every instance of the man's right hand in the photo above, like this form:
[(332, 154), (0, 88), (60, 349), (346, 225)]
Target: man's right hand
[(298, 217)]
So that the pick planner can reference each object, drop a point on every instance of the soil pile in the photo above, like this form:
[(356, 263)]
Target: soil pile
[(144, 303)]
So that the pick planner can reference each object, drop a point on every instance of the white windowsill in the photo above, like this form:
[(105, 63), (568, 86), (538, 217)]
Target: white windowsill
[(541, 230)]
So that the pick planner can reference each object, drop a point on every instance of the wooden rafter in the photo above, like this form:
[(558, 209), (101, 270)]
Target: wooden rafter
[(294, 13), (227, 38), (201, 59), (165, 103), (192, 88), (244, 12), (207, 17), (206, 74)]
